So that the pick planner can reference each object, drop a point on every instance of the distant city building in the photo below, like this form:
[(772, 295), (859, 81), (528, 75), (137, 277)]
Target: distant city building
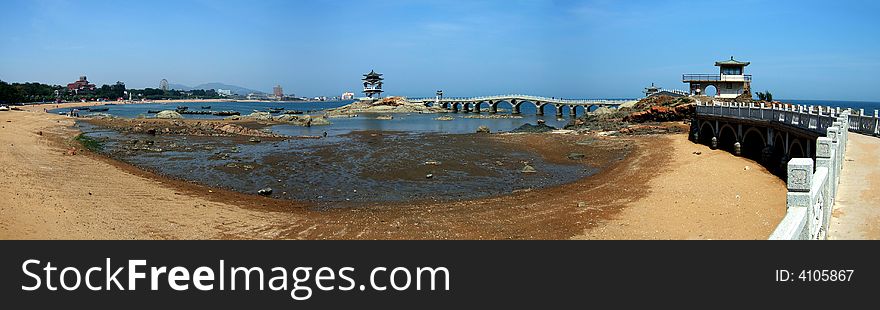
[(81, 85), (278, 92), (347, 96), (730, 83), (163, 85), (257, 96), (373, 84), (224, 92)]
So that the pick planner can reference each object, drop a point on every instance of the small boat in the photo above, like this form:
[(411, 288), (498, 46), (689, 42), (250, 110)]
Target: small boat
[(182, 108), (206, 107), (99, 109)]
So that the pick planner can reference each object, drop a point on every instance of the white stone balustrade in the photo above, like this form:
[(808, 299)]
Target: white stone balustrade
[(811, 190)]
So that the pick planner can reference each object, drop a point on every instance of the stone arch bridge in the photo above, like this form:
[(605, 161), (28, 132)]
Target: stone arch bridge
[(807, 144), (475, 104), (770, 134)]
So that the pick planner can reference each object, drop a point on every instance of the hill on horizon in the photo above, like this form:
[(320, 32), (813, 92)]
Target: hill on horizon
[(235, 89)]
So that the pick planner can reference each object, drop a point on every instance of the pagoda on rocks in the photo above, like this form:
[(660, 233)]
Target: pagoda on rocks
[(373, 84)]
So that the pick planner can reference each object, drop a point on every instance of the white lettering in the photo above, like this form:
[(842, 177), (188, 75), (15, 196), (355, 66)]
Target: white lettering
[(30, 274), (203, 274), (133, 275), (178, 274)]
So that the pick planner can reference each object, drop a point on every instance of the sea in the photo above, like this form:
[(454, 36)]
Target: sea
[(868, 106), (414, 122)]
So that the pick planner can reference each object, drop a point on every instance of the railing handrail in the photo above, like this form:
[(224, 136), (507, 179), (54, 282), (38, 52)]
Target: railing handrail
[(811, 192), (530, 98), (711, 77)]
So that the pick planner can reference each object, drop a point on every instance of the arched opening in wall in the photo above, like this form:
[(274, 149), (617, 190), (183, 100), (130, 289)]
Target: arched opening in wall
[(753, 144), (580, 110), (710, 91), (726, 138), (706, 133), (796, 150)]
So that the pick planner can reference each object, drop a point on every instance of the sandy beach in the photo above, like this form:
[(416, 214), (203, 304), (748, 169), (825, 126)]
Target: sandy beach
[(661, 190)]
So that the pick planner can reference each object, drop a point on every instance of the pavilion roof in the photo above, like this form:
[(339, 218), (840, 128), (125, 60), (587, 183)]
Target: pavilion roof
[(373, 74), (732, 62)]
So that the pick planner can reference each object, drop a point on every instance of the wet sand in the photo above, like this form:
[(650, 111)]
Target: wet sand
[(659, 190)]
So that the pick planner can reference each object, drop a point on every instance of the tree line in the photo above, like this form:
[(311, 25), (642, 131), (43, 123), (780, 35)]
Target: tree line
[(39, 92)]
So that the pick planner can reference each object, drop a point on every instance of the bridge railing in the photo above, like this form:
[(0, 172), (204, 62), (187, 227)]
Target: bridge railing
[(811, 193), (812, 186), (813, 118), (525, 98), (865, 124)]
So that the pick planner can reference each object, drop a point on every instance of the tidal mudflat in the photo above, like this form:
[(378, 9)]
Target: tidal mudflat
[(360, 166)]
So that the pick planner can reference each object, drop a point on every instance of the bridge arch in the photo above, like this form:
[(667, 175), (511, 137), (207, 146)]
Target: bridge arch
[(796, 149), (573, 110), (727, 138), (707, 131), (753, 144), (495, 104), (541, 108)]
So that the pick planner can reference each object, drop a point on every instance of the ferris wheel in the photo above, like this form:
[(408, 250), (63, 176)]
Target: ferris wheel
[(163, 84)]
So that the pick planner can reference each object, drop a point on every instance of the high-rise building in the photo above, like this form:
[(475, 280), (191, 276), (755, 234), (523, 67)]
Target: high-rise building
[(278, 92)]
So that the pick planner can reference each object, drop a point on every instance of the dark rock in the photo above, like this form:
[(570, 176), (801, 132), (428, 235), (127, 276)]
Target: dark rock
[(265, 191), (576, 156), (483, 129), (540, 127)]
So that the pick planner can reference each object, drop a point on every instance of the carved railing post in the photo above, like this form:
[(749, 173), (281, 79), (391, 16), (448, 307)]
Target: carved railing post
[(825, 154)]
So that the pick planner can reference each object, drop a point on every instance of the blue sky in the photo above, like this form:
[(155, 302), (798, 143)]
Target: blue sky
[(574, 49)]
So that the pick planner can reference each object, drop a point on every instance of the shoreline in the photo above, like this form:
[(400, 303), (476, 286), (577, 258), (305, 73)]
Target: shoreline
[(620, 202)]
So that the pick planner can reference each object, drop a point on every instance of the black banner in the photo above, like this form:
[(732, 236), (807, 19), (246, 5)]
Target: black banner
[(399, 274)]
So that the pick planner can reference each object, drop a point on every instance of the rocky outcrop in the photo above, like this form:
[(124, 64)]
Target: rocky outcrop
[(662, 114), (168, 114), (181, 127), (385, 105), (540, 127)]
